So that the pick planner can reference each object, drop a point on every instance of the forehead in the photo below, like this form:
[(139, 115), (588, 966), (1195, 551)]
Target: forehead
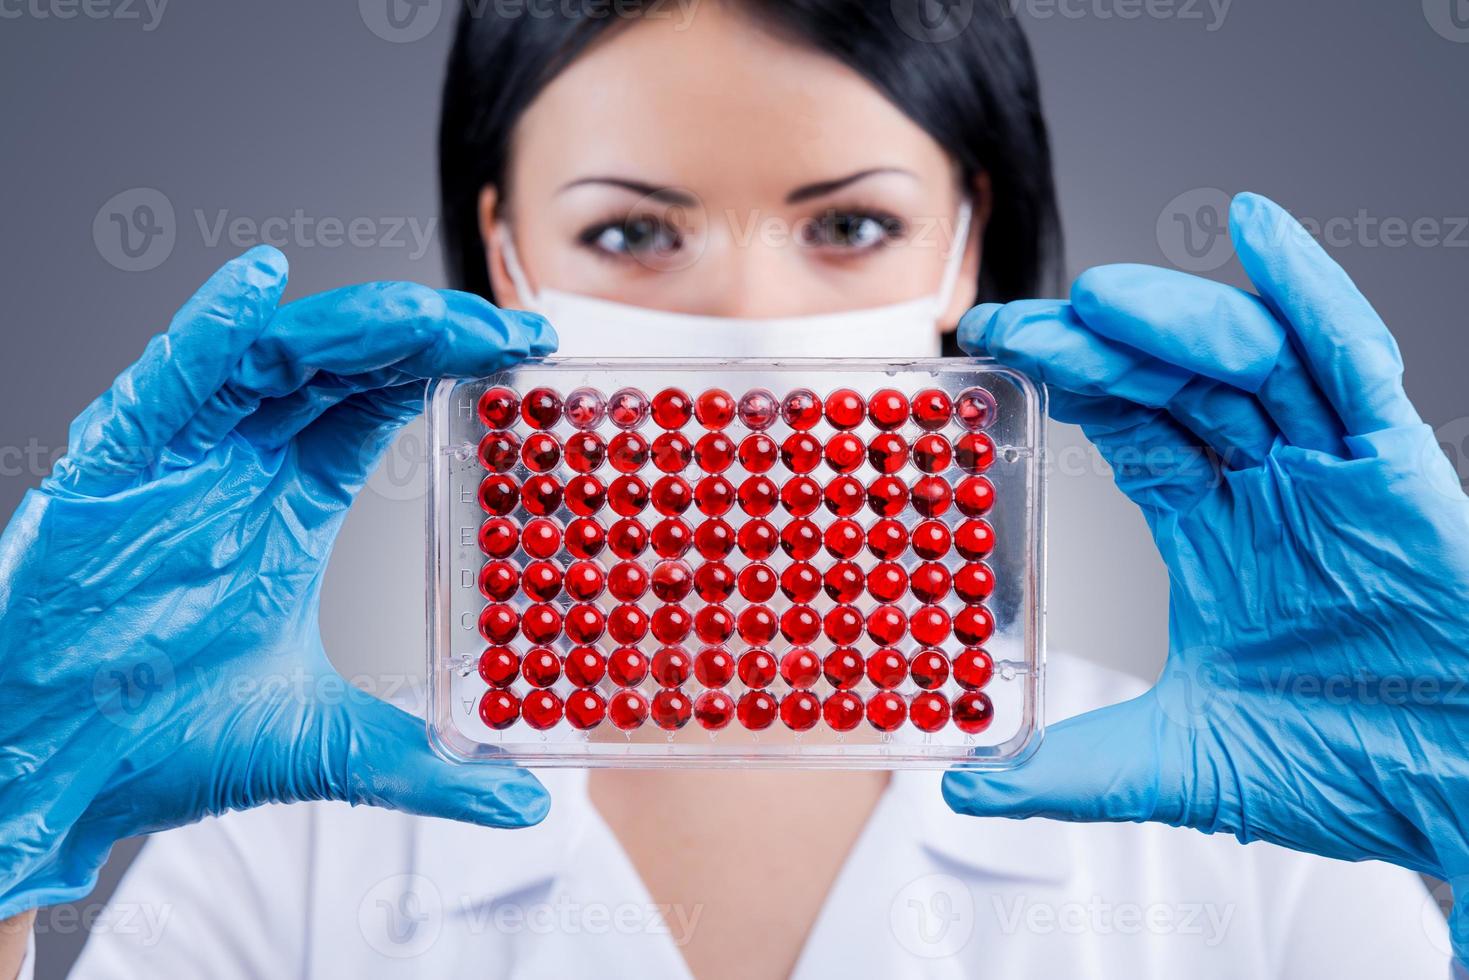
[(718, 104)]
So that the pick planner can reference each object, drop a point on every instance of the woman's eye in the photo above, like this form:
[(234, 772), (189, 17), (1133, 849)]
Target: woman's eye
[(634, 238), (852, 231)]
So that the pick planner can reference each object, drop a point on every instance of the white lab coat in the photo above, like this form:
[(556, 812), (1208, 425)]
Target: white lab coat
[(328, 891)]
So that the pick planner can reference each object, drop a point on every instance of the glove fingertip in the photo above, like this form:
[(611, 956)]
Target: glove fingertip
[(974, 326), (544, 339), (1260, 228), (520, 801), (964, 793), (494, 796), (268, 261), (517, 333), (1248, 206)]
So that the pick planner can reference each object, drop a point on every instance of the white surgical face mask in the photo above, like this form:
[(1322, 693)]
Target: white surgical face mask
[(591, 327)]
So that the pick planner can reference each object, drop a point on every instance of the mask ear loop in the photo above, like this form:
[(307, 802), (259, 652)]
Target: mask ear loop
[(514, 271), (957, 248)]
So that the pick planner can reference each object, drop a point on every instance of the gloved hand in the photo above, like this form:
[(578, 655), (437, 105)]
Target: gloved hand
[(1318, 554), (159, 652)]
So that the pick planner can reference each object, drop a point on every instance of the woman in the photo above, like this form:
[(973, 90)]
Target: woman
[(609, 172)]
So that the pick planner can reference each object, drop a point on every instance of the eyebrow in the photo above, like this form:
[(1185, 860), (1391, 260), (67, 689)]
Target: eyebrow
[(666, 195), (821, 188)]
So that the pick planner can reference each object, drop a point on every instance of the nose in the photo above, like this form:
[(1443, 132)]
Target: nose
[(749, 270)]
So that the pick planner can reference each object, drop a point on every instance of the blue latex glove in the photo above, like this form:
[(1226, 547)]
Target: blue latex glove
[(1314, 693), (159, 652)]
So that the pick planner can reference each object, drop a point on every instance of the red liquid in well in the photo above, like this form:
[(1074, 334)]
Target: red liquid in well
[(627, 408), (585, 408), (627, 452), (842, 711), (672, 408), (585, 709), (584, 580), (758, 409), (671, 452), (844, 496), (585, 666), (888, 409), (843, 668), (801, 409), (540, 452), (499, 666), (540, 408), (887, 453), (585, 452), (541, 710), (627, 710), (498, 408), (627, 666), (584, 495), (714, 408), (845, 409), (498, 495)]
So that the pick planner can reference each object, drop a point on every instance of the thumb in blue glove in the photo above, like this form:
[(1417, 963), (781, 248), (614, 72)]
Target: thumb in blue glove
[(1317, 545), (159, 652)]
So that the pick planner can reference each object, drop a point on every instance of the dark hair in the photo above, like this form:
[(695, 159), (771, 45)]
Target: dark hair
[(973, 90)]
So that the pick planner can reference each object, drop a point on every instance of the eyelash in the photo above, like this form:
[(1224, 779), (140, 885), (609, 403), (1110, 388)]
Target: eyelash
[(589, 236), (892, 229)]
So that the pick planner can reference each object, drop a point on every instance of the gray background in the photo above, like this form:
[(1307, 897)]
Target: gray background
[(257, 110)]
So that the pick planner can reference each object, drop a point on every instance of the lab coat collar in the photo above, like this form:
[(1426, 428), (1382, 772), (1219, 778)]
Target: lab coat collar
[(478, 865), (1028, 850)]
